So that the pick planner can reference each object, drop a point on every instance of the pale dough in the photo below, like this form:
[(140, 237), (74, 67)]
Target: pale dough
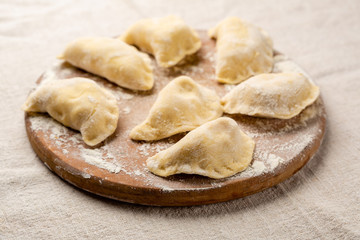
[(181, 106), (273, 95), (169, 39), (243, 50), (216, 149), (112, 59), (78, 103)]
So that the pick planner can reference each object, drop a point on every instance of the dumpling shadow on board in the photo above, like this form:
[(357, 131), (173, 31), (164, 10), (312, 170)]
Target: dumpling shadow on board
[(170, 71), (184, 67)]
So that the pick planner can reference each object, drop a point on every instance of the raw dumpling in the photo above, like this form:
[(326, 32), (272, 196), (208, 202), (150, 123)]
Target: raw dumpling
[(78, 103), (217, 149), (169, 39), (112, 59), (181, 106), (274, 95), (243, 50)]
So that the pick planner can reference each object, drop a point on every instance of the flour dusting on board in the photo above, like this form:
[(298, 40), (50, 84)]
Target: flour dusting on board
[(100, 157), (144, 148), (96, 157), (265, 160), (269, 156)]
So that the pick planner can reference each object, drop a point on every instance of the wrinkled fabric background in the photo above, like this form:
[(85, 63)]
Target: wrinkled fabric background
[(322, 201)]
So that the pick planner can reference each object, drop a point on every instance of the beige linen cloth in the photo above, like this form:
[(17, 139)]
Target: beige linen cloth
[(322, 201)]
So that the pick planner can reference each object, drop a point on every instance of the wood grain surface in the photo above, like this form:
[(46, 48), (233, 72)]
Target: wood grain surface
[(282, 146)]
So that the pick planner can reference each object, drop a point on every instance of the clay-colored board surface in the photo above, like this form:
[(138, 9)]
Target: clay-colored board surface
[(116, 168)]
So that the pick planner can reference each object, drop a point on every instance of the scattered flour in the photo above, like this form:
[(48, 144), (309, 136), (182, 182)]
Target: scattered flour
[(143, 149), (138, 173), (255, 169), (85, 175), (146, 148), (65, 151), (264, 161), (274, 161), (120, 94), (296, 145), (210, 56), (99, 157), (95, 157), (163, 187), (126, 110)]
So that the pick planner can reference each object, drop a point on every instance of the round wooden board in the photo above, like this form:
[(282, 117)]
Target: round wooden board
[(116, 168)]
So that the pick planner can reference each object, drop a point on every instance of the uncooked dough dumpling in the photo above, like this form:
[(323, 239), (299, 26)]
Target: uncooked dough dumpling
[(216, 149), (273, 95), (181, 106), (112, 59), (78, 103), (169, 39), (243, 50)]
